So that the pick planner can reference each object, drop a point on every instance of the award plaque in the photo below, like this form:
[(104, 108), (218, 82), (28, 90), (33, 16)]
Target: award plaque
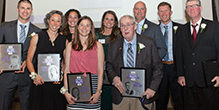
[(49, 67), (79, 86), (134, 81), (10, 55)]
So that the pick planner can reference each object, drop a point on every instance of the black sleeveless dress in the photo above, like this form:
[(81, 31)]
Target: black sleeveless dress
[(47, 96)]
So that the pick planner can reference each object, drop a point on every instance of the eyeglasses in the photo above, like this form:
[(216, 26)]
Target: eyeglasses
[(128, 25), (192, 6)]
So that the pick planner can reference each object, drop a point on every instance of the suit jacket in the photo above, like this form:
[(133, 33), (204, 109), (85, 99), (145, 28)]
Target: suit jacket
[(154, 32), (8, 34), (189, 55), (147, 58)]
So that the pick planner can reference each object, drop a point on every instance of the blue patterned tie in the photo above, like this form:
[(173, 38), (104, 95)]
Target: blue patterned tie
[(22, 34), (138, 30), (166, 40), (130, 56)]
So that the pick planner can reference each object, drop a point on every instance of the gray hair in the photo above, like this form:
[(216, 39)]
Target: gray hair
[(50, 14), (199, 2), (128, 17)]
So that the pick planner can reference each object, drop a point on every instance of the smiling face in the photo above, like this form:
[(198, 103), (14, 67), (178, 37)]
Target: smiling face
[(193, 10), (109, 21), (139, 11), (72, 19), (128, 28), (24, 12), (165, 13), (55, 22), (84, 27)]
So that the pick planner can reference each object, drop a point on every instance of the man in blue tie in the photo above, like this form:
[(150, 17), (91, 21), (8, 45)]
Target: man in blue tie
[(135, 51), (17, 31), (169, 81), (148, 28)]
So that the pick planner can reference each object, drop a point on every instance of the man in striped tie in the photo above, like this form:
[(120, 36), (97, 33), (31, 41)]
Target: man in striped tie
[(17, 31), (135, 51)]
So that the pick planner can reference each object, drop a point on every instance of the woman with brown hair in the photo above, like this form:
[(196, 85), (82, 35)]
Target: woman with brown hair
[(85, 54)]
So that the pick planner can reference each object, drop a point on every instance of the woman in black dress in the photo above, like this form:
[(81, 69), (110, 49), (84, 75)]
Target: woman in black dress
[(46, 96)]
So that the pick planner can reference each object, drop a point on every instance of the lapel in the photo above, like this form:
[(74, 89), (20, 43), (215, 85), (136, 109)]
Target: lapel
[(14, 31), (188, 34), (173, 35), (120, 47), (145, 22), (137, 55), (200, 34)]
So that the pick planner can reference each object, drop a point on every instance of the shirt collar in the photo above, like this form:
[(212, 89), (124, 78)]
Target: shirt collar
[(27, 24), (170, 24), (142, 22)]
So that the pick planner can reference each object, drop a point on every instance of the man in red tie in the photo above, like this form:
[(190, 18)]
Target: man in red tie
[(198, 42)]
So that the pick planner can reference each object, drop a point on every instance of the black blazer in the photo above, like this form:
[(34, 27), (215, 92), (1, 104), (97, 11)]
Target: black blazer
[(147, 58), (8, 34), (189, 55)]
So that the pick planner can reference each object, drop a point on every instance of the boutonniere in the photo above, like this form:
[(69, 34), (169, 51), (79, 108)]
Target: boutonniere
[(203, 25), (175, 29), (140, 46), (145, 26), (31, 35)]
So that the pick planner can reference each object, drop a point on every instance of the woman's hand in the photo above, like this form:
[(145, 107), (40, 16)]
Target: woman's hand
[(1, 71), (38, 80), (94, 98), (70, 99)]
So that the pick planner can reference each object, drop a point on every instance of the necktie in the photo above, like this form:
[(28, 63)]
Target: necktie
[(194, 33), (130, 56), (22, 33), (166, 41), (138, 28)]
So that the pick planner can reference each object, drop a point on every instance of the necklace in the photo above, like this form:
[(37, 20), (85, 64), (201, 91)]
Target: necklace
[(52, 42)]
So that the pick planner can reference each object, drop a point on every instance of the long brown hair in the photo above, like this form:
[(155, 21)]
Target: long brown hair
[(115, 32), (65, 30), (76, 43)]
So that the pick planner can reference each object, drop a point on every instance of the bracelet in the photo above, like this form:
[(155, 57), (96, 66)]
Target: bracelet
[(33, 75), (100, 91), (63, 90)]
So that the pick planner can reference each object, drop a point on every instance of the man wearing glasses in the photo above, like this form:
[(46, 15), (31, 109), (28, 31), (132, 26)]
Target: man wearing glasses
[(126, 52), (198, 45)]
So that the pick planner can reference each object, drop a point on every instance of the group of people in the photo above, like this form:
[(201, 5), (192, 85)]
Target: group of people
[(171, 53)]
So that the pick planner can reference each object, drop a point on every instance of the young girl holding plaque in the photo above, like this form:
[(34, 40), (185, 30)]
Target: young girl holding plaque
[(85, 54)]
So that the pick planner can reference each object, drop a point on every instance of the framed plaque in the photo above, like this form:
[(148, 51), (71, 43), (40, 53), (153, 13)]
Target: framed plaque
[(79, 86), (10, 55), (134, 81), (49, 67)]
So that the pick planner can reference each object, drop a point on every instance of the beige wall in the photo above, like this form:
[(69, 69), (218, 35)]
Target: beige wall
[(206, 13)]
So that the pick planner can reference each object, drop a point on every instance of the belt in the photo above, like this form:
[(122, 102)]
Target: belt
[(167, 62)]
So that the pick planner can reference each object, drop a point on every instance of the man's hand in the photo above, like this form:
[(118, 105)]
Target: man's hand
[(182, 81), (149, 93), (118, 84), (22, 67), (216, 78)]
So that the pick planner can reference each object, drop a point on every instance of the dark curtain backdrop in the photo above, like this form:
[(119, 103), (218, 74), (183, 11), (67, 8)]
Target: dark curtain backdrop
[(2, 11), (215, 8)]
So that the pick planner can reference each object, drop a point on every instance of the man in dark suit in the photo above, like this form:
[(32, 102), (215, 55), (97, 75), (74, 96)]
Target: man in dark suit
[(169, 81), (197, 41), (144, 56), (147, 28), (17, 80)]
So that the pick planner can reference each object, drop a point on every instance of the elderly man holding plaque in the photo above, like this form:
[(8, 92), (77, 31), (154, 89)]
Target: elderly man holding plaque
[(133, 51), (17, 31)]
